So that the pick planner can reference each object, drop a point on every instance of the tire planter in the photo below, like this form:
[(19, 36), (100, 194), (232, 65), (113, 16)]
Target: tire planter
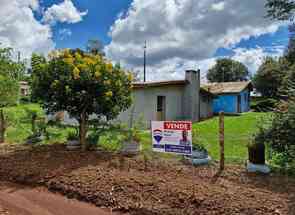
[(257, 154), (36, 139), (130, 149), (198, 158), (73, 145), (256, 161)]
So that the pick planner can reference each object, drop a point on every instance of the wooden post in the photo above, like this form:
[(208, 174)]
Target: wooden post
[(2, 126), (221, 139)]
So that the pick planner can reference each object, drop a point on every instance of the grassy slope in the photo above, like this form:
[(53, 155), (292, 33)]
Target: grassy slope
[(238, 133)]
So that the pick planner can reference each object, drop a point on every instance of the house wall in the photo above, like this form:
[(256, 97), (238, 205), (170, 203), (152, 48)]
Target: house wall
[(145, 104), (206, 107), (228, 102), (191, 98), (245, 101)]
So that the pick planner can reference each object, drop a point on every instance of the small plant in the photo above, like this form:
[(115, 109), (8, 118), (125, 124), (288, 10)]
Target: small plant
[(197, 146), (72, 136)]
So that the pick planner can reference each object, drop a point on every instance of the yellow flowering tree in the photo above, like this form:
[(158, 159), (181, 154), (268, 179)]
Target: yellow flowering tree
[(82, 84)]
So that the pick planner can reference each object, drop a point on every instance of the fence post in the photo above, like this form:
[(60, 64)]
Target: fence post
[(221, 139)]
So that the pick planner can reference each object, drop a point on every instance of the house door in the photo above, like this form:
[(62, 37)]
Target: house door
[(161, 108), (239, 104)]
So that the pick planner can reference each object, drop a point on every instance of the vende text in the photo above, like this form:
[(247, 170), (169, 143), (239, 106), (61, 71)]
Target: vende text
[(187, 126)]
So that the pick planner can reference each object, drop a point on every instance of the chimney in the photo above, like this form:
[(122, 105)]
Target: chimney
[(191, 103)]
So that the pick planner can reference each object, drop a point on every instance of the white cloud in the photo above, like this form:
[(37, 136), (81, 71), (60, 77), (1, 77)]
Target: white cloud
[(181, 34), (64, 33), (254, 57), (218, 6), (20, 30), (63, 12)]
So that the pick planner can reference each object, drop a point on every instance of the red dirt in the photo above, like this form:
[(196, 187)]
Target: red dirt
[(165, 187), (20, 200)]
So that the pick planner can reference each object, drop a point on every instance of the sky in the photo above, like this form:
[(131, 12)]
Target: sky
[(180, 34)]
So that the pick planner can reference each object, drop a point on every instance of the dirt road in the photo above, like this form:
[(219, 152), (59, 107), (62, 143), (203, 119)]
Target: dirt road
[(20, 200)]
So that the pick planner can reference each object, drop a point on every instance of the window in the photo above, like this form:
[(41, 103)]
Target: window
[(160, 103)]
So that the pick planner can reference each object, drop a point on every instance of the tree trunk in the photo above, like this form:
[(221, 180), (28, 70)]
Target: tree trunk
[(2, 126), (34, 117), (83, 131)]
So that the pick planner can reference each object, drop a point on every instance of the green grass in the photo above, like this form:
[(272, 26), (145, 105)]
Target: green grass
[(20, 125), (239, 131)]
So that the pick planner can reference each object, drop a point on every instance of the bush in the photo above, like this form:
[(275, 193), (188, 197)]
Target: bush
[(25, 100), (73, 135), (280, 137), (264, 105)]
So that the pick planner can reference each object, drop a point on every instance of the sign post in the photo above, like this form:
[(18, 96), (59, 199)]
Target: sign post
[(172, 137)]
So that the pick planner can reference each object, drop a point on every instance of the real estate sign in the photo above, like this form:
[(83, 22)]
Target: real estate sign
[(172, 137)]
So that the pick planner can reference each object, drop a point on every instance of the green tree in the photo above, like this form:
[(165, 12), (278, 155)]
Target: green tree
[(9, 67), (269, 78), (10, 73), (290, 50), (227, 70), (9, 92), (82, 84), (281, 9)]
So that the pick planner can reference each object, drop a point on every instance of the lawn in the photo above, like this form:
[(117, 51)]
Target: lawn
[(20, 124), (239, 130)]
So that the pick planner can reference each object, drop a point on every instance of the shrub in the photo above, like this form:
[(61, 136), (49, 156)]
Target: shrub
[(72, 135), (280, 137), (264, 105)]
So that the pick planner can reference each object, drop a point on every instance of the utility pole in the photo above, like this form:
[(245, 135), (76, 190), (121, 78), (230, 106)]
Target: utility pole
[(18, 56), (144, 63)]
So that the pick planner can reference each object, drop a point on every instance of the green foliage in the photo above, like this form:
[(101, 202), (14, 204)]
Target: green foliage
[(280, 136), (73, 135), (9, 91), (264, 105), (269, 78), (79, 82), (10, 68), (281, 9), (227, 70), (82, 84), (290, 50), (197, 143)]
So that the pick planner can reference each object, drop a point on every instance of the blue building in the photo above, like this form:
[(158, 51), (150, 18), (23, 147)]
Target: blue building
[(230, 97)]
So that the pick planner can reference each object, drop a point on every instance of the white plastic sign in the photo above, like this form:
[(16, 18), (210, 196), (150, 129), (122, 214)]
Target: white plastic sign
[(172, 137)]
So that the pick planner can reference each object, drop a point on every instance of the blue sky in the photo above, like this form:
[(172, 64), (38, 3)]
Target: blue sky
[(180, 35), (96, 25), (102, 14), (279, 38)]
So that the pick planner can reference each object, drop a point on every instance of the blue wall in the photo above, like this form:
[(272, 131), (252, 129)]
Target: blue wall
[(228, 102)]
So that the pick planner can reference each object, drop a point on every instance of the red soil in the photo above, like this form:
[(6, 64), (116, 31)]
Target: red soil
[(137, 187)]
